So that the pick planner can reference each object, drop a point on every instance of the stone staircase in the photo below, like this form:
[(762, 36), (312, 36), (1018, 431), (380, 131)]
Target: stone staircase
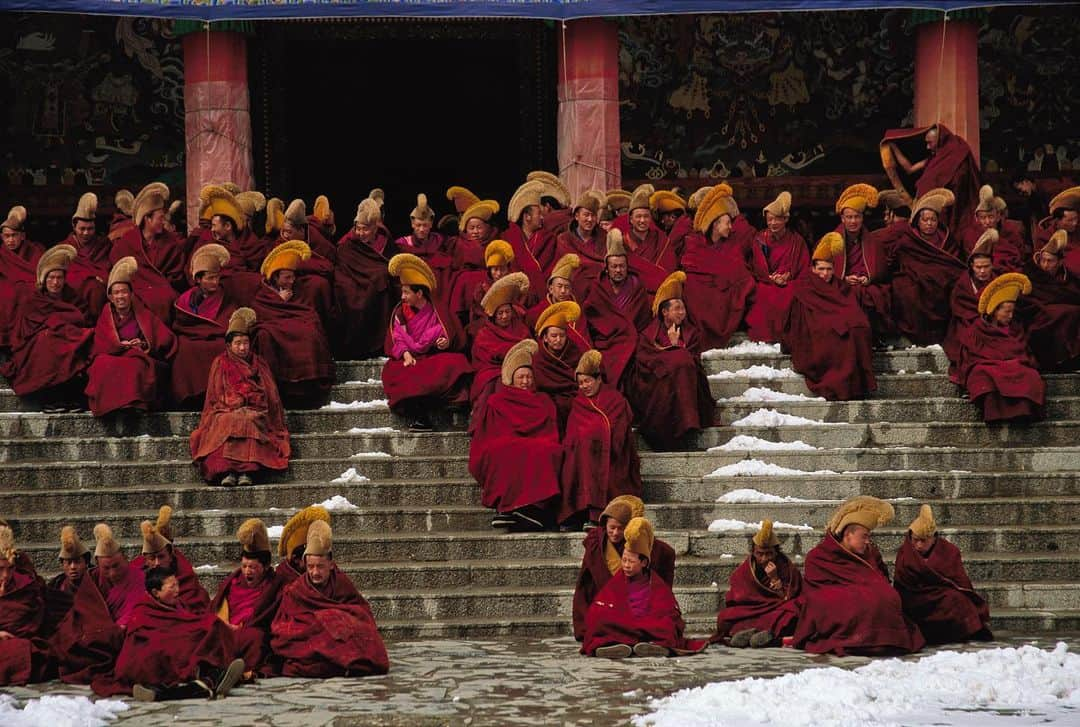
[(421, 549)]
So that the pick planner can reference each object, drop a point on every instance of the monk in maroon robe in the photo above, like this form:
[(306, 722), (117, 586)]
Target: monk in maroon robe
[(532, 243), (934, 586), (471, 285), (560, 289), (18, 270), (427, 244), (61, 589), (515, 453), (475, 232), (863, 263), (504, 328), (560, 349), (159, 552), (602, 558), (160, 255), (826, 331), (779, 257), (230, 227), (964, 299), (364, 290), (23, 655), (849, 605), (1052, 310), (652, 257), (585, 238), (89, 270), (324, 627), (1011, 248)]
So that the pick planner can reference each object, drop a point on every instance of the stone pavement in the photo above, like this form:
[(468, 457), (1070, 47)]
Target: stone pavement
[(516, 682)]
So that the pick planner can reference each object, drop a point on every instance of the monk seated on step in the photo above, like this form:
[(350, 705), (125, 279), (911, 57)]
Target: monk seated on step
[(294, 540), (763, 598), (602, 559), (242, 428), (324, 628), (636, 613), (964, 299), (934, 586), (560, 349), (1052, 311), (505, 326), (849, 605), (23, 655), (158, 551), (560, 289)]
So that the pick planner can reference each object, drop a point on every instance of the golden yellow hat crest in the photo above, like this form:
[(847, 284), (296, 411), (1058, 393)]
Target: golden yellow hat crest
[(671, 288), (565, 266), (295, 532), (666, 201), (507, 289), (590, 363), (924, 525), (638, 537), (560, 315), (715, 203), (1003, 289), (857, 197), (498, 252), (411, 270), (483, 209), (829, 247), (462, 198), (765, 537), (286, 256), (870, 512), (520, 354)]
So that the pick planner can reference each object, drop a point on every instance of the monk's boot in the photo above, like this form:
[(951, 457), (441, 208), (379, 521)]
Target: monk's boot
[(244, 480), (762, 639), (646, 650), (615, 651), (198, 689), (228, 678), (741, 639), (229, 480)]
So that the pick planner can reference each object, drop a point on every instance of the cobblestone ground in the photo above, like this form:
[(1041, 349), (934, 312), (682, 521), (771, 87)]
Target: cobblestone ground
[(521, 682)]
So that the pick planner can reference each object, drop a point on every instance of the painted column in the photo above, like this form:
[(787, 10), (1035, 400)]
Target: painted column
[(588, 88), (947, 77), (217, 116)]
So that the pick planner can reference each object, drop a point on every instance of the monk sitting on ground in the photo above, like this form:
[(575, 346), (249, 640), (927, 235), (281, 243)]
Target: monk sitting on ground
[(636, 613), (23, 656), (763, 598), (324, 627), (849, 606), (294, 540), (602, 559), (934, 587), (158, 551), (242, 427)]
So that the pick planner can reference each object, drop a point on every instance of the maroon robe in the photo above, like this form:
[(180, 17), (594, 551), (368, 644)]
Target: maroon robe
[(600, 454), (1008, 254), (849, 606), (925, 274), (1052, 313), (750, 604), (866, 254), (435, 253), (289, 335), (439, 374), (651, 259), (327, 631), (830, 339), (580, 327), (59, 597), (89, 271), (937, 593), (614, 321), (719, 287), (50, 343), (193, 596), (785, 254), (365, 293), (1000, 374), (240, 276), (470, 287), (250, 611), (591, 252), (121, 377), (488, 350), (87, 639), (24, 657), (515, 453), (554, 373), (200, 337), (667, 387), (535, 257), (161, 269), (678, 234), (964, 302), (18, 280), (610, 619), (557, 221), (595, 573)]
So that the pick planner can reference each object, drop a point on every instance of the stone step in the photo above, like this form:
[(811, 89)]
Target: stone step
[(944, 409), (905, 434), (890, 386)]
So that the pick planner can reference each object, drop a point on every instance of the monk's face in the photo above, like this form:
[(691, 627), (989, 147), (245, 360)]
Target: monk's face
[(1024, 187), (169, 592), (54, 282), (856, 539), (632, 565), (113, 567), (982, 268), (667, 219), (318, 568), (931, 141), (586, 220), (987, 218), (13, 239), (888, 217), (674, 313), (285, 279), (1048, 262), (588, 385), (1070, 220), (84, 231), (927, 222), (120, 297), (222, 230), (154, 223), (411, 296), (640, 219), (209, 282), (763, 556), (559, 290), (617, 269), (497, 271), (420, 228), (613, 529), (824, 270), (923, 545), (555, 338), (503, 316), (775, 223), (240, 346), (721, 228), (74, 569), (365, 232), (523, 378), (476, 229), (289, 231), (852, 220), (252, 571), (1003, 314), (161, 559), (532, 218)]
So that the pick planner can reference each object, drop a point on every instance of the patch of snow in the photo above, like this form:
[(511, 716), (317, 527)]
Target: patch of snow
[(359, 382), (143, 436), (1006, 686), (757, 468), (370, 430), (283, 509), (349, 477), (726, 556), (211, 511), (59, 711), (743, 348), (370, 455), (888, 472), (751, 495), (758, 393), (724, 525), (205, 568), (773, 418), (338, 503), (741, 442), (902, 371), (274, 531), (356, 405), (924, 373), (756, 371)]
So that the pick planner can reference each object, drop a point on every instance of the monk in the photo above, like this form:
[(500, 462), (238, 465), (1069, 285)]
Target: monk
[(828, 334), (515, 453), (23, 655), (651, 256), (635, 613), (324, 627), (132, 352), (1011, 247), (424, 344), (231, 229), (322, 221), (934, 586), (474, 231), (1064, 216), (158, 551), (719, 287), (586, 239), (247, 599), (200, 321), (242, 428), (671, 214), (763, 599), (472, 285), (849, 605), (90, 268), (533, 245), (427, 244), (554, 202), (295, 227), (61, 589), (119, 580), (964, 299), (52, 339), (1052, 310), (559, 350), (863, 265), (601, 460), (170, 652), (995, 365), (667, 387), (779, 257), (159, 254), (294, 540), (364, 291), (18, 267), (560, 289), (505, 327)]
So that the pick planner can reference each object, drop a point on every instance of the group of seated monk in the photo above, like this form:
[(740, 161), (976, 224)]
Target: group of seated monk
[(146, 627)]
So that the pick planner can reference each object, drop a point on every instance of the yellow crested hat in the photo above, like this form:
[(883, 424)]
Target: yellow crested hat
[(320, 539), (857, 197), (936, 199), (483, 209), (892, 199), (411, 270), (498, 252), (780, 207), (122, 272), (671, 288), (666, 201), (618, 199), (155, 534), (615, 243), (295, 532), (527, 195), (250, 202), (1004, 288), (320, 210), (565, 266), (829, 246), (209, 258), (152, 197), (422, 210), (590, 363), (640, 197), (553, 186), (716, 202), (286, 256), (275, 215), (638, 537), (57, 257), (105, 544), (924, 525), (296, 213), (520, 354), (241, 321), (462, 198), (619, 510), (253, 536), (1055, 245), (7, 544), (124, 201), (87, 208), (70, 545), (765, 537), (870, 512), (1067, 200), (560, 315), (368, 212), (507, 289), (693, 202), (216, 200)]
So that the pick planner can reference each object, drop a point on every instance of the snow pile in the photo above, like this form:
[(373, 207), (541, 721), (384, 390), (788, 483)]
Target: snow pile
[(756, 371), (773, 418), (723, 525), (274, 531), (742, 442), (750, 495), (370, 455), (1030, 685), (205, 568), (371, 430), (338, 503), (359, 382), (356, 405), (349, 477), (757, 468), (59, 711), (758, 393), (744, 348)]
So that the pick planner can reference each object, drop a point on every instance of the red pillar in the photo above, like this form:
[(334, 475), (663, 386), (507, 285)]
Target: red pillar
[(589, 155), (947, 77), (217, 116)]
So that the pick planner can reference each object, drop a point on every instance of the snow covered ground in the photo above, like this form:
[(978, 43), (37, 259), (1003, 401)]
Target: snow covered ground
[(349, 477), (757, 371), (751, 495), (356, 405), (986, 688), (758, 393), (773, 418), (757, 468), (724, 525), (741, 442), (58, 711)]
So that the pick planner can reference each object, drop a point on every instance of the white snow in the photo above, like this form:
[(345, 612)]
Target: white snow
[(724, 525), (758, 393), (338, 503), (282, 509), (988, 687), (356, 405), (58, 711), (349, 477), (742, 442), (744, 348), (274, 531), (757, 468), (370, 430), (757, 371), (751, 495), (370, 455), (205, 568), (773, 418), (358, 382)]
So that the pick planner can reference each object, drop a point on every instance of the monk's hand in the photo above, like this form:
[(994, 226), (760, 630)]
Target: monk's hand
[(285, 294), (4, 635), (770, 569), (673, 334), (442, 343), (408, 359)]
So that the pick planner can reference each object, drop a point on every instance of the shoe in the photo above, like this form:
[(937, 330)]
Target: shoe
[(143, 694), (524, 523), (617, 651), (245, 480), (419, 425), (503, 520), (741, 639), (646, 649), (229, 679), (202, 687), (589, 525), (761, 639), (228, 480), (53, 409)]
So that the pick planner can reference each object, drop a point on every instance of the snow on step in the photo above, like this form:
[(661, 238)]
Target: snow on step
[(744, 348), (758, 393), (356, 405), (757, 371), (773, 418), (349, 477), (744, 442), (338, 503), (757, 468), (750, 495), (724, 525)]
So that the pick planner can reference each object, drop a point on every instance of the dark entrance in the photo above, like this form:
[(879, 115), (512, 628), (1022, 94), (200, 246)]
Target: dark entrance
[(411, 106)]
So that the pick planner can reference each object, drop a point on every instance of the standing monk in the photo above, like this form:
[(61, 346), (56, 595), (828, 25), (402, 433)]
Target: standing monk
[(363, 288), (1052, 311), (90, 268), (158, 551), (560, 349), (534, 246), (159, 254), (778, 257), (934, 586), (586, 239)]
